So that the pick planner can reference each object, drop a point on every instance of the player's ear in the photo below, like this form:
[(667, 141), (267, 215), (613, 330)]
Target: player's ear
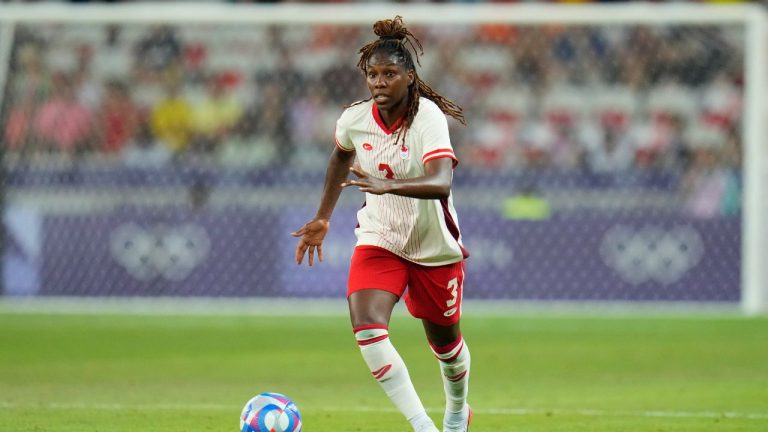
[(411, 77)]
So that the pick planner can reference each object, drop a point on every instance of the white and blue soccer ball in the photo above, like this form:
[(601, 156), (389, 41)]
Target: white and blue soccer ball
[(270, 412)]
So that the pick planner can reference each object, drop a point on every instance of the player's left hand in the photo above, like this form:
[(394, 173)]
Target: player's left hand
[(311, 237), (366, 183)]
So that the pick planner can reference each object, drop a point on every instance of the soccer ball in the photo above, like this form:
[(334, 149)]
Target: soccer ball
[(270, 412)]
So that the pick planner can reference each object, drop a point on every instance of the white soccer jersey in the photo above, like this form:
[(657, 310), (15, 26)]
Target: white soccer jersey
[(420, 230)]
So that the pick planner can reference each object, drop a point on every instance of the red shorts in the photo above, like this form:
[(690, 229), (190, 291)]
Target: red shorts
[(434, 293)]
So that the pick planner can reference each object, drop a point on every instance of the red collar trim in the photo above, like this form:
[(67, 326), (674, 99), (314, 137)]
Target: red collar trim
[(380, 121)]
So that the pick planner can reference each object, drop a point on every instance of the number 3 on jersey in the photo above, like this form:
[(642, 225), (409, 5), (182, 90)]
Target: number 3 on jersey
[(388, 170), (453, 287)]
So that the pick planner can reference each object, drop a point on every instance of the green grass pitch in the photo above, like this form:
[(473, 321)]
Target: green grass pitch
[(125, 373)]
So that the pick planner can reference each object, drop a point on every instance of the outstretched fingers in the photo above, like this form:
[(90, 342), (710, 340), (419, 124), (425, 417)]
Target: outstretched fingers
[(310, 240), (311, 254), (301, 249), (304, 248), (352, 183)]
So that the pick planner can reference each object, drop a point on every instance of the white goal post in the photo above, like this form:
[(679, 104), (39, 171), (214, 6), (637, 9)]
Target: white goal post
[(754, 270)]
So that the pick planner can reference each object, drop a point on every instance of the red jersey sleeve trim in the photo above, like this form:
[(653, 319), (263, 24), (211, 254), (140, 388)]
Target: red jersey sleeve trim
[(340, 147), (440, 153)]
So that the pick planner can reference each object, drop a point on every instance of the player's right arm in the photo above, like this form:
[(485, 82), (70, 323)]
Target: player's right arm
[(313, 232)]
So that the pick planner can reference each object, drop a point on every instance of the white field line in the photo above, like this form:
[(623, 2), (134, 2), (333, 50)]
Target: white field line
[(481, 411), (190, 306)]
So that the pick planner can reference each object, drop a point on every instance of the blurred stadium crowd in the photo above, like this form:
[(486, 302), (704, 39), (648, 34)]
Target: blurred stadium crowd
[(613, 99)]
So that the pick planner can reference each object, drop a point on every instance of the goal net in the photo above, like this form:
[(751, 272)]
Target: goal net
[(158, 151)]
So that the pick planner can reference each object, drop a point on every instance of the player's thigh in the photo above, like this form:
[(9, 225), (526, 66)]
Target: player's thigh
[(376, 268), (377, 280), (435, 293)]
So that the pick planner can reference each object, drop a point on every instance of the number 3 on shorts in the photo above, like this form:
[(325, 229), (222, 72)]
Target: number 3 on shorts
[(453, 286)]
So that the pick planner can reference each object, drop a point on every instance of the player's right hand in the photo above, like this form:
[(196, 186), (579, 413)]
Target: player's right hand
[(312, 235)]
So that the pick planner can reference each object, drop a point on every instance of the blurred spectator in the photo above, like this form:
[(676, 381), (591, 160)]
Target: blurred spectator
[(580, 54), (731, 160), (284, 73), (606, 149), (674, 153), (112, 35), (613, 106), (638, 57), (270, 117), (245, 148), (451, 78), (342, 95), (532, 62), (702, 53), (277, 88), (613, 98), (144, 150), (721, 102), (708, 183), (32, 83), (63, 124), (310, 118), (536, 143), (158, 53), (670, 102), (31, 87), (214, 116), (549, 145), (171, 119), (89, 88), (117, 118), (492, 145)]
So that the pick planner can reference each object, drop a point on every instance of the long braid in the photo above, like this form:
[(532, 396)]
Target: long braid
[(395, 38)]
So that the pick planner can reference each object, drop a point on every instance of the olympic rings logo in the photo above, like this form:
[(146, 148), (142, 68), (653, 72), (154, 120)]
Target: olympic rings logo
[(651, 253), (161, 251)]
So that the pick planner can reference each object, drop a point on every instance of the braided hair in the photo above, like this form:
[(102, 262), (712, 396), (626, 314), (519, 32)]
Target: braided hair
[(395, 40)]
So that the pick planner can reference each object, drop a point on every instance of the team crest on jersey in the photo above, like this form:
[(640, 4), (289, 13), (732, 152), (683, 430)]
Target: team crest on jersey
[(367, 146), (404, 152)]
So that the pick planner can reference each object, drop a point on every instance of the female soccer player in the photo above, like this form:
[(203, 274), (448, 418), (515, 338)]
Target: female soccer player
[(408, 234)]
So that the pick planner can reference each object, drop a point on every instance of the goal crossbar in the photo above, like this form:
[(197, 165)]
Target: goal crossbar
[(365, 14)]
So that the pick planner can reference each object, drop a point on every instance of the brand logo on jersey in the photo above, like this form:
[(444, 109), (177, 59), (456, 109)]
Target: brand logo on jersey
[(367, 146), (404, 152)]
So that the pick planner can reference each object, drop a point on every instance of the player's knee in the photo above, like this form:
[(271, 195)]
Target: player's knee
[(441, 335), (370, 334), (368, 320), (368, 316), (371, 306), (451, 352)]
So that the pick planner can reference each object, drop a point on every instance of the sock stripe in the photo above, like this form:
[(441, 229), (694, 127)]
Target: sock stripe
[(370, 327), (367, 335), (445, 349), (450, 356), (457, 377), (372, 340)]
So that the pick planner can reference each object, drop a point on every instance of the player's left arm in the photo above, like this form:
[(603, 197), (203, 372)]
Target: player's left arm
[(434, 184)]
